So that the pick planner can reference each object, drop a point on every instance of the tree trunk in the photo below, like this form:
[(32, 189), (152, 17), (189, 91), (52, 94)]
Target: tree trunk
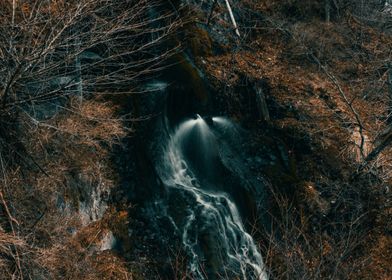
[(389, 119), (78, 66), (13, 12), (261, 102), (212, 11), (327, 11), (232, 18)]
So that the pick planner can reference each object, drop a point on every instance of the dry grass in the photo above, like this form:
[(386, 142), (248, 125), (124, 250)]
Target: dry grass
[(330, 226), (304, 244), (52, 238)]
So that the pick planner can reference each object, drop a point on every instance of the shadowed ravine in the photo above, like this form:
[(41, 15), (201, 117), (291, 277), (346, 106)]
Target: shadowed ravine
[(205, 216)]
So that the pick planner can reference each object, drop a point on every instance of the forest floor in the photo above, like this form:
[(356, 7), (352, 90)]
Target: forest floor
[(326, 87)]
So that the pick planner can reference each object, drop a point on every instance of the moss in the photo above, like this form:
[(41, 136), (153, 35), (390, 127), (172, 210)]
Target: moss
[(199, 42), (188, 74), (188, 93)]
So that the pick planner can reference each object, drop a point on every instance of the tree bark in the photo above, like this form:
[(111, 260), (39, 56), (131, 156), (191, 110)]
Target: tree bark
[(78, 66), (212, 11), (13, 12), (261, 102), (327, 11), (389, 119), (232, 18)]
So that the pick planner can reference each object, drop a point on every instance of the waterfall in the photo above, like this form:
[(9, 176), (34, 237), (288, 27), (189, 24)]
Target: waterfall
[(211, 229)]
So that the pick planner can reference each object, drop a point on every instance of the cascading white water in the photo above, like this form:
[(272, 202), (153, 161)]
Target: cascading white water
[(211, 218)]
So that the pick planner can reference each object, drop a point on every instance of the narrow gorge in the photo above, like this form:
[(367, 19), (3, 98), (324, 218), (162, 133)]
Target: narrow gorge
[(195, 139)]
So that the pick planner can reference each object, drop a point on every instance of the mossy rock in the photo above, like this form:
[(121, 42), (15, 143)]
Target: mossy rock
[(188, 91), (199, 42), (190, 75)]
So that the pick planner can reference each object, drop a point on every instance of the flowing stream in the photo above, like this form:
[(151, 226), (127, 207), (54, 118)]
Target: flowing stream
[(208, 222)]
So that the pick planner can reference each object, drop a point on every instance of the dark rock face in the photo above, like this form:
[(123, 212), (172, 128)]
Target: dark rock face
[(223, 163), (260, 148), (230, 162), (180, 93)]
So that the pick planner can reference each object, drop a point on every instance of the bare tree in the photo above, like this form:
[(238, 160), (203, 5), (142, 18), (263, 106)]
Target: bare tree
[(46, 46), (52, 52)]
